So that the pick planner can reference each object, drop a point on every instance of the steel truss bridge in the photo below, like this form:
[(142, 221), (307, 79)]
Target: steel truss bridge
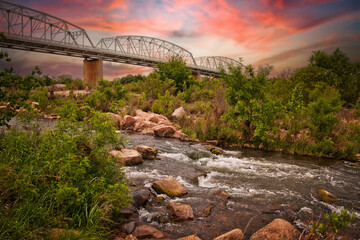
[(32, 30)]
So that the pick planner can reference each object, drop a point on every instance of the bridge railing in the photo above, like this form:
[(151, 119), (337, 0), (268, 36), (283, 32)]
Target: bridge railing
[(33, 30)]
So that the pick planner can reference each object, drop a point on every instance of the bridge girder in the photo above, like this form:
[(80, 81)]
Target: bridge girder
[(32, 30), (215, 62), (23, 22), (148, 47)]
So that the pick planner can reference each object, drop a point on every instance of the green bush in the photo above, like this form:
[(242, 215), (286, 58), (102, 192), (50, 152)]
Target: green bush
[(334, 223), (40, 95), (106, 96), (60, 179)]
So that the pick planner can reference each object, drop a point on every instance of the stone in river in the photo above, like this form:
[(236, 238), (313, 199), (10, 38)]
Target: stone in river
[(278, 229), (325, 196), (169, 186)]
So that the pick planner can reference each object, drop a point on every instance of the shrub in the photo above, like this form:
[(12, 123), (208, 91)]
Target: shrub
[(60, 179)]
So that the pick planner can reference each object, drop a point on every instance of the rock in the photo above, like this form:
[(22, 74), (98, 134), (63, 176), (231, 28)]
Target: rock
[(164, 131), (116, 119), (272, 208), (128, 157), (178, 113), (146, 151), (191, 237), (128, 227), (159, 199), (74, 92), (141, 125), (278, 229), (57, 87), (325, 196), (35, 105), (128, 122), (128, 237), (180, 212), (140, 197), (212, 142), (147, 231), (221, 194), (216, 151), (129, 212), (207, 211), (169, 186), (154, 119), (181, 136), (235, 234)]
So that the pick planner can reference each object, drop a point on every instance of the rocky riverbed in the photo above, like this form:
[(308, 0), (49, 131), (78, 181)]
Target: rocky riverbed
[(233, 191)]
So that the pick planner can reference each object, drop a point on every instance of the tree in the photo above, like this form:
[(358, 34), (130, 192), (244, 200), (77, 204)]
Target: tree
[(176, 70), (249, 105), (339, 64)]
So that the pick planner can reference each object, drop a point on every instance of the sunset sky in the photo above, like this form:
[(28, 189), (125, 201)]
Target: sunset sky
[(282, 33)]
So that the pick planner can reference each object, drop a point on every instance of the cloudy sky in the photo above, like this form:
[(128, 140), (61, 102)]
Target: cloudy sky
[(282, 33)]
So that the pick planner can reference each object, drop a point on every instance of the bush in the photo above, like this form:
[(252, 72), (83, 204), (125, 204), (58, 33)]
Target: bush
[(107, 96), (60, 179)]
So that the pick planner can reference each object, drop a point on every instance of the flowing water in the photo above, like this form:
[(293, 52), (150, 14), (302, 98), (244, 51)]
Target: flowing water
[(263, 186)]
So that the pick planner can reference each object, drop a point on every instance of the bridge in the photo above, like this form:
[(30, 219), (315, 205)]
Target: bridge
[(32, 30)]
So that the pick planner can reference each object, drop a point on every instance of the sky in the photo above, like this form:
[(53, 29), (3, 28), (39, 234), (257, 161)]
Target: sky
[(282, 33)]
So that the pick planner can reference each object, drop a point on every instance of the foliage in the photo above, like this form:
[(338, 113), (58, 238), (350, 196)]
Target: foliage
[(40, 96), (165, 104), (348, 74), (245, 92), (106, 95), (322, 110), (334, 223), (176, 70), (60, 179), (14, 92), (130, 79)]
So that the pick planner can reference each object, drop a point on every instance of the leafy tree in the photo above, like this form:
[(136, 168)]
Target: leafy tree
[(130, 79), (176, 70), (339, 64), (245, 92)]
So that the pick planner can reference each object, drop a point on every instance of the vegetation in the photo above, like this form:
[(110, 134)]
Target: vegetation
[(334, 222), (64, 179), (58, 183)]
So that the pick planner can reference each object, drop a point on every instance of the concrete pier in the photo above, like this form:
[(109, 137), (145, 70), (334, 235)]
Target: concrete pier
[(92, 72)]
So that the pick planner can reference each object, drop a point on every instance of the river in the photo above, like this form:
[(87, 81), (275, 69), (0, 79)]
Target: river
[(262, 185)]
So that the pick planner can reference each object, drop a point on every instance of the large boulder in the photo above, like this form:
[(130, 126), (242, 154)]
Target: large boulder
[(141, 124), (140, 197), (164, 131), (278, 229), (235, 234), (169, 186), (180, 212), (128, 157), (146, 151), (147, 231), (128, 122), (191, 237), (325, 196), (178, 113), (181, 136)]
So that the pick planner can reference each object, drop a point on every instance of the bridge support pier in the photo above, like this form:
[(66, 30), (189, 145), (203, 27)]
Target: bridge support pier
[(196, 75), (92, 71)]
